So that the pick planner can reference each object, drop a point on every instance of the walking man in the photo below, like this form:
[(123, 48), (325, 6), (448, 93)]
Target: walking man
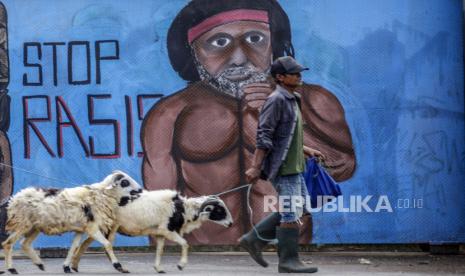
[(279, 158)]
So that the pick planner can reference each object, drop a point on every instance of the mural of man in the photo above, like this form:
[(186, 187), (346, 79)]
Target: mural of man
[(200, 140), (6, 176)]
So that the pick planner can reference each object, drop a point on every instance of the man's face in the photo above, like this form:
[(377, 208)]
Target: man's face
[(290, 80), (233, 55)]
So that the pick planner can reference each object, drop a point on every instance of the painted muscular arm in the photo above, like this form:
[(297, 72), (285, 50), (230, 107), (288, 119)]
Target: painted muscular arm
[(326, 130), (6, 174), (158, 167)]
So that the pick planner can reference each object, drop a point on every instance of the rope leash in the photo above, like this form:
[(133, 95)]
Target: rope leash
[(232, 190), (249, 207), (38, 174), (6, 199)]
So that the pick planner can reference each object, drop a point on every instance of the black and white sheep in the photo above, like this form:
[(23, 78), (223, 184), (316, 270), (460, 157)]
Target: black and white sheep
[(165, 214), (89, 209)]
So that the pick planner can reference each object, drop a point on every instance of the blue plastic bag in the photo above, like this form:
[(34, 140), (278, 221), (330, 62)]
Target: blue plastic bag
[(319, 182)]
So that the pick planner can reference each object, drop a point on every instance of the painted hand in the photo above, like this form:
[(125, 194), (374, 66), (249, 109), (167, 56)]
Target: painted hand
[(255, 95)]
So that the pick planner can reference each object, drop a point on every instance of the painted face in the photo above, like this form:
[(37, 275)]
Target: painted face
[(234, 54)]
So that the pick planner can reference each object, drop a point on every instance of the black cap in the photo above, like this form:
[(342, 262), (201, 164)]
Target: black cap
[(286, 65)]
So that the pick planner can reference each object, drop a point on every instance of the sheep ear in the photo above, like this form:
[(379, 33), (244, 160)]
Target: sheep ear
[(109, 187), (112, 185), (208, 205), (204, 214), (117, 177), (207, 208)]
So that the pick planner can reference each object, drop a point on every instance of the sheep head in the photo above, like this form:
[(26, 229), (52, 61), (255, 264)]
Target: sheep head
[(125, 186), (215, 210)]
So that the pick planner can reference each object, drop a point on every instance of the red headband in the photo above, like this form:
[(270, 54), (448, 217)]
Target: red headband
[(223, 18)]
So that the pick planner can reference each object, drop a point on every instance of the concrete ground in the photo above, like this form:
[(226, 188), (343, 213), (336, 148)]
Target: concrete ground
[(238, 263)]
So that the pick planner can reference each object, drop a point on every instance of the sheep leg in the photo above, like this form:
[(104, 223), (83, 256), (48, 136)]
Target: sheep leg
[(27, 248), (173, 236), (76, 258), (71, 252), (159, 252), (8, 250), (98, 236), (112, 234), (111, 237)]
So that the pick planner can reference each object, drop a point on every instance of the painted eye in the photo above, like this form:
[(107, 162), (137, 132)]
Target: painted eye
[(221, 42), (254, 38)]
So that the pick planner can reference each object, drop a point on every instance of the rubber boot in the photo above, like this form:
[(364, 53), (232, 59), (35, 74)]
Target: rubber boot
[(288, 246), (252, 243)]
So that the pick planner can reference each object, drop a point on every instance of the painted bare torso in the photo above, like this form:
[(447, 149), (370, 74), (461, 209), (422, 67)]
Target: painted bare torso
[(210, 151)]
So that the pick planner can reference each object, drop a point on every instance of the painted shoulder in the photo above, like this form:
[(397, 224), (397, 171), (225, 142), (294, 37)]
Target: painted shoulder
[(170, 106), (313, 93)]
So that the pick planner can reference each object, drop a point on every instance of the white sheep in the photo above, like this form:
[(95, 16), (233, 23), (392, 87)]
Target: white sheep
[(89, 209), (165, 214)]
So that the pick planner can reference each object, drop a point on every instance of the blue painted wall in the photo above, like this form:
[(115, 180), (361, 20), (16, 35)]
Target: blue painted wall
[(396, 67)]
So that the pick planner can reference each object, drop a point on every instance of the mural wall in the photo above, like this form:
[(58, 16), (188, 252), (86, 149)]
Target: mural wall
[(169, 91)]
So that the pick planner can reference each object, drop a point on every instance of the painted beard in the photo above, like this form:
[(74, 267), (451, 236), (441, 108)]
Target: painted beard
[(224, 81)]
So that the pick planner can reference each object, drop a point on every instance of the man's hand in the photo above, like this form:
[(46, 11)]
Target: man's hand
[(313, 153), (252, 175), (255, 95)]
